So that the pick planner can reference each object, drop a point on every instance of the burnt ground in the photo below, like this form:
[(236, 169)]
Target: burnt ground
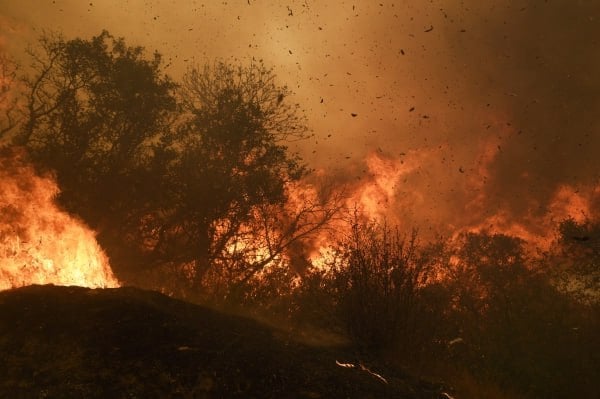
[(73, 342)]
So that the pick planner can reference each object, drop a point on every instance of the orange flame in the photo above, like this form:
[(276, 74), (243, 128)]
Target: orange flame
[(401, 190), (39, 243)]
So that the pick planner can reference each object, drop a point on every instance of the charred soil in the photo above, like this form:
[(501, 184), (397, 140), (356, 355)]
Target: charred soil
[(73, 342)]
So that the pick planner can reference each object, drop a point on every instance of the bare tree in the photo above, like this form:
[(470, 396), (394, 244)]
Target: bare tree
[(8, 96)]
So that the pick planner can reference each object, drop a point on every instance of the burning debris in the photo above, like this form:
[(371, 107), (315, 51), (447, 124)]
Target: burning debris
[(362, 368), (40, 243)]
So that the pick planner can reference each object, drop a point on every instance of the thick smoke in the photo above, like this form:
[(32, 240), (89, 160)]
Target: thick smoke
[(504, 115), (492, 104), (537, 65)]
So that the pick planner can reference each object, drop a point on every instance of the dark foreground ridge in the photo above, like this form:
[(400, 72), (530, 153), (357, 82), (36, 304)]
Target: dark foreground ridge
[(73, 342)]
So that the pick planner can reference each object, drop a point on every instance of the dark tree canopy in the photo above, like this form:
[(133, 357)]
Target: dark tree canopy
[(229, 163), (189, 177), (94, 111)]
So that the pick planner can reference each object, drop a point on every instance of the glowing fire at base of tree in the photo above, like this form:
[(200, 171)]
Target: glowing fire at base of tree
[(39, 243)]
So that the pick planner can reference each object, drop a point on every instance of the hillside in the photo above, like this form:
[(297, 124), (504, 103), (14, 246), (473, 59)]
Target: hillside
[(76, 342)]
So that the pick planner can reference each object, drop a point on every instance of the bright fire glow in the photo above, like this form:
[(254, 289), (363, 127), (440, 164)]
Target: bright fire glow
[(391, 189), (39, 243)]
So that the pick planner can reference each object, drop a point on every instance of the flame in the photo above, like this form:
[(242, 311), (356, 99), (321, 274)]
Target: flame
[(571, 203), (414, 189), (39, 243), (379, 192), (537, 225), (539, 230)]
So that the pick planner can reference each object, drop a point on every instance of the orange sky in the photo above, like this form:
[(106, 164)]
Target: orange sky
[(505, 95)]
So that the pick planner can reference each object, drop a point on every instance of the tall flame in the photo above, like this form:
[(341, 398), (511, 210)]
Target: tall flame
[(39, 243), (415, 189)]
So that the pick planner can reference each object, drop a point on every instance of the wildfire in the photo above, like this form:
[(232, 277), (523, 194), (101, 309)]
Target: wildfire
[(379, 192), (39, 243), (412, 190), (576, 204)]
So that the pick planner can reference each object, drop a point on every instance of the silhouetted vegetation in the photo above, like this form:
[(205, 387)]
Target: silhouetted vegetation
[(377, 281), (95, 112), (8, 98), (476, 308), (178, 179), (579, 258)]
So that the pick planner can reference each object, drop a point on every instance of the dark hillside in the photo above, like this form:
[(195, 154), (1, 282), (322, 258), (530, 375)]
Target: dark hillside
[(60, 342)]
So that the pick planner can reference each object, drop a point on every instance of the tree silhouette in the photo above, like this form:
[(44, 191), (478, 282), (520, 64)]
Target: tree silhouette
[(189, 181), (230, 176), (8, 98), (94, 111)]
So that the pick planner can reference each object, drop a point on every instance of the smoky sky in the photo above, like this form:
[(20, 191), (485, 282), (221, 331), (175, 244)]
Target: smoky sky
[(493, 104), (537, 64)]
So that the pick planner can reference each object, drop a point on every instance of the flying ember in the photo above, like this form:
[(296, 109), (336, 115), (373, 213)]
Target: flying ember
[(40, 243)]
